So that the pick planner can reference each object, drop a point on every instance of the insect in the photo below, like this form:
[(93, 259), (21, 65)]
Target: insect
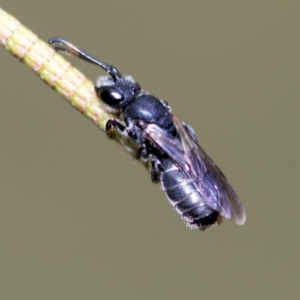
[(192, 182)]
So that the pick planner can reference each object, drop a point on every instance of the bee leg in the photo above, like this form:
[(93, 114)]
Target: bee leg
[(112, 126), (142, 152), (155, 170)]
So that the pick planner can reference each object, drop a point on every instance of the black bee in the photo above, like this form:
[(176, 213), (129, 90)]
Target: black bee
[(193, 183)]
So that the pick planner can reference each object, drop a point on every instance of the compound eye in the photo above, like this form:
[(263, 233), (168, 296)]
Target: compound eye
[(110, 95)]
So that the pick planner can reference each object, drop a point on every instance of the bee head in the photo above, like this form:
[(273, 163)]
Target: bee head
[(115, 90)]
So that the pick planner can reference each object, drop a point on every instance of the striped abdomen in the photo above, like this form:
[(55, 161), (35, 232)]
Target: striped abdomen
[(185, 198)]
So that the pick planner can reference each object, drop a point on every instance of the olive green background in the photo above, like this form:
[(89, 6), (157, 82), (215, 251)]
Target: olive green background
[(79, 219)]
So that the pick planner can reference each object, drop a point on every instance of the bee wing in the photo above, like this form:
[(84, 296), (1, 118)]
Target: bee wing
[(208, 179)]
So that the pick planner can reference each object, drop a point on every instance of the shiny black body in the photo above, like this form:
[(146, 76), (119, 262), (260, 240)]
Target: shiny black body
[(194, 185), (149, 109), (185, 198), (181, 192)]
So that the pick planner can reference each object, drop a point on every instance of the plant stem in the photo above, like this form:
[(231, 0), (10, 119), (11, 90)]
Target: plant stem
[(55, 71)]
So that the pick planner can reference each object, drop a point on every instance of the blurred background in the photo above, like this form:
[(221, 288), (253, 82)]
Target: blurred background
[(79, 219)]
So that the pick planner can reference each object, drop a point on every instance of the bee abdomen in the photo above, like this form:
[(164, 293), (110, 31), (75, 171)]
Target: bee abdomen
[(185, 198)]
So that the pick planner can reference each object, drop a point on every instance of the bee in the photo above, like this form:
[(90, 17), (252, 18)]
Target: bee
[(192, 182)]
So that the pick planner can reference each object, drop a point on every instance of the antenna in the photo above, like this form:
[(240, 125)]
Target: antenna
[(71, 49)]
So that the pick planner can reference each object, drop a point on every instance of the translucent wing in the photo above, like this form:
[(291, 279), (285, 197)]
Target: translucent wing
[(208, 179)]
